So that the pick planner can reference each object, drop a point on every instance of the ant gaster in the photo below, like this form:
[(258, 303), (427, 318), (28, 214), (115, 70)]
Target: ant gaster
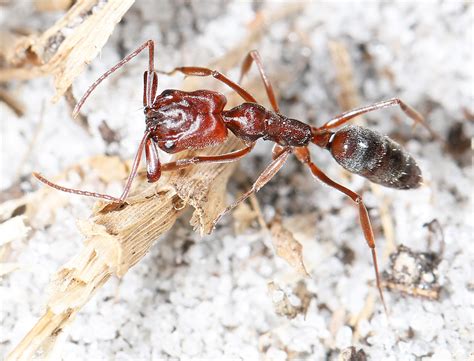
[(178, 120)]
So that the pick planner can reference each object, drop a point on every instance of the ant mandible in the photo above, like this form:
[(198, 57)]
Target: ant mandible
[(177, 120)]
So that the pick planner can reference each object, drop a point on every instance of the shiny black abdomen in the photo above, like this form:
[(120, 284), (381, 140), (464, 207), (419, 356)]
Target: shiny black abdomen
[(375, 157)]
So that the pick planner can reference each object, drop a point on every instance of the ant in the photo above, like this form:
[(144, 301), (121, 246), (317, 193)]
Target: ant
[(177, 120)]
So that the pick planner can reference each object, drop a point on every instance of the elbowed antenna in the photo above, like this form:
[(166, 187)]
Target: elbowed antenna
[(148, 44), (128, 184)]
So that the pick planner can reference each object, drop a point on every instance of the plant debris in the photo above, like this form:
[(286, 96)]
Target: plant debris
[(65, 48), (287, 247)]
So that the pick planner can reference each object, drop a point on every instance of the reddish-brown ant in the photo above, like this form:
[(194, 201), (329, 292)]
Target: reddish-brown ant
[(178, 120)]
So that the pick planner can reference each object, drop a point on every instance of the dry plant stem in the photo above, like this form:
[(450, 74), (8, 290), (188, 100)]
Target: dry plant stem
[(64, 49), (116, 240)]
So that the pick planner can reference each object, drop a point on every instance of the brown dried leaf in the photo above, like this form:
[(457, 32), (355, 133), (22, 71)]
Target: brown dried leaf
[(287, 247)]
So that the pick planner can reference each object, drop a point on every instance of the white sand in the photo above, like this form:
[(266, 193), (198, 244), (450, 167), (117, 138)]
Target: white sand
[(210, 300)]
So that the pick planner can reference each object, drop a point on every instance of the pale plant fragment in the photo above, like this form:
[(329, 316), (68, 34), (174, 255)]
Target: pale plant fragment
[(364, 314), (115, 240), (108, 168), (243, 216), (67, 47), (287, 247), (52, 5), (337, 321), (8, 267), (13, 230)]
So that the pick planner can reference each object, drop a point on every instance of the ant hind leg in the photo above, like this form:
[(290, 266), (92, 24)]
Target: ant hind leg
[(349, 115), (303, 156)]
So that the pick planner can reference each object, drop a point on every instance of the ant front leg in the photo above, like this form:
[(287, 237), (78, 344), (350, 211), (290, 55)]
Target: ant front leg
[(303, 156), (149, 93), (254, 56), (153, 165), (349, 115)]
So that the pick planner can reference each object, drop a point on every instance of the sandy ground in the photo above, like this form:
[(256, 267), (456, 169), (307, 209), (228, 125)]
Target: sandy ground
[(220, 296)]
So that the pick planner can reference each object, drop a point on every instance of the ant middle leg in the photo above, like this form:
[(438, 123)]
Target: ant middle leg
[(268, 173), (304, 157), (254, 57), (349, 115), (221, 158), (200, 71)]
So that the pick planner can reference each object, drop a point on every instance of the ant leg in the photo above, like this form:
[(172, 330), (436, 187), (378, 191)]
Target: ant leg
[(268, 173), (276, 151), (148, 44), (221, 158), (153, 165), (254, 56), (199, 71), (346, 116), (136, 163), (126, 189), (303, 156)]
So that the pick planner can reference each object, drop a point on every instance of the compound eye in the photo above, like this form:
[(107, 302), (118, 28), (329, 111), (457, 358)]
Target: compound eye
[(167, 92)]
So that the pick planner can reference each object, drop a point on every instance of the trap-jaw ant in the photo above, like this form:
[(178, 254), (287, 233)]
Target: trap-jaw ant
[(177, 120)]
